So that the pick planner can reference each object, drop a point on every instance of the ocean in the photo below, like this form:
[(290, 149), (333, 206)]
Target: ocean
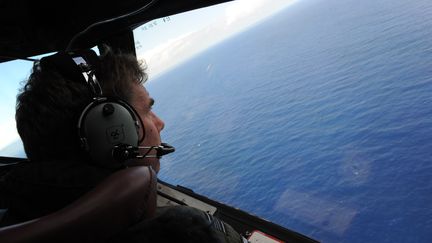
[(318, 118)]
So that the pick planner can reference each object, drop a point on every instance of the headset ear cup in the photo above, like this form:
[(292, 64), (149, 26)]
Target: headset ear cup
[(105, 123)]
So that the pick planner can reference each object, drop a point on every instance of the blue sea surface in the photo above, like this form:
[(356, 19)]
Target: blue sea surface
[(318, 118)]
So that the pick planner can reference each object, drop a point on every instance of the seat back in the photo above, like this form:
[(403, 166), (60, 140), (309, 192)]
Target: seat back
[(119, 201)]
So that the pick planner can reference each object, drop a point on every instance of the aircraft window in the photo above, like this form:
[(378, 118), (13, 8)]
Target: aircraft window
[(12, 74), (317, 116)]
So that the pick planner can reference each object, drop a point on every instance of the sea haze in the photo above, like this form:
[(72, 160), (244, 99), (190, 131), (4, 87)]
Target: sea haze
[(318, 119)]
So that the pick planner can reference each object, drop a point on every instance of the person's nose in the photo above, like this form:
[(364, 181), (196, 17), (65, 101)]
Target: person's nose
[(158, 122)]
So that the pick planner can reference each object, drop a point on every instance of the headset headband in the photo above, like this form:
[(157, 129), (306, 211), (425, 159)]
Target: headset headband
[(79, 66)]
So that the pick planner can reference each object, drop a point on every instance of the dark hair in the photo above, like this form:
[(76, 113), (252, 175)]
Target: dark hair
[(49, 105)]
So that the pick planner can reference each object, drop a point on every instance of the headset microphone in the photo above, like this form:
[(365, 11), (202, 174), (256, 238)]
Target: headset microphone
[(122, 152), (164, 149)]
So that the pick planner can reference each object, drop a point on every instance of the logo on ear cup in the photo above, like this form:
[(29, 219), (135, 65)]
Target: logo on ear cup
[(115, 134), (104, 124)]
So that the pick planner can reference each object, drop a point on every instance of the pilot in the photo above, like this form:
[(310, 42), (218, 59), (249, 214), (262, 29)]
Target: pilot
[(67, 132), (48, 109)]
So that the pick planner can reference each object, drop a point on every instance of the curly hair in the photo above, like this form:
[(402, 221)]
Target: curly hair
[(49, 105)]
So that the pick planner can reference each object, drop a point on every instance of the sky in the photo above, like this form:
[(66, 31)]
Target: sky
[(162, 43), (11, 76)]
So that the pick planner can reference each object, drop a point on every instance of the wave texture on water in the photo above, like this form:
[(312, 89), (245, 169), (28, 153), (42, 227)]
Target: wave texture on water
[(319, 119)]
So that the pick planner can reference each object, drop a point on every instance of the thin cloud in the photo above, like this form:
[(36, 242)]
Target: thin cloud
[(235, 17), (241, 8)]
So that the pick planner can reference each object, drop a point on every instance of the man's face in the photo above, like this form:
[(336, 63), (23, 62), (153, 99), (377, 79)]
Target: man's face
[(153, 125)]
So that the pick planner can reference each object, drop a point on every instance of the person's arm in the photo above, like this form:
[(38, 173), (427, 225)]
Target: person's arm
[(116, 203)]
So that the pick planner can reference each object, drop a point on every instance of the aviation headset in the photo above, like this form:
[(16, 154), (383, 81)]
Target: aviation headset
[(108, 127)]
